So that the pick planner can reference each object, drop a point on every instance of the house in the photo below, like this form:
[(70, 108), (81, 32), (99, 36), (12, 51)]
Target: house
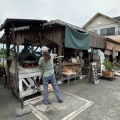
[(105, 26)]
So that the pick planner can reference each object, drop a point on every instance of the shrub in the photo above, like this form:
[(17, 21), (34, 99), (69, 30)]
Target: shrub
[(108, 65)]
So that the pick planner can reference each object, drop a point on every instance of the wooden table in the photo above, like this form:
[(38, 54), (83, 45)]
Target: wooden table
[(68, 74)]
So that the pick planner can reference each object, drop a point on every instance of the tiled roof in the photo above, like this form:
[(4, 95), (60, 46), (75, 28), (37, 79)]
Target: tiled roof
[(117, 18), (62, 23)]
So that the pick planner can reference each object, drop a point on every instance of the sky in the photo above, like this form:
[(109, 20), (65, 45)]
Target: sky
[(76, 12)]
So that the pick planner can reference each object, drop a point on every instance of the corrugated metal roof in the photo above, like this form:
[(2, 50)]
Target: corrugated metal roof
[(21, 28), (111, 40), (20, 22), (62, 23)]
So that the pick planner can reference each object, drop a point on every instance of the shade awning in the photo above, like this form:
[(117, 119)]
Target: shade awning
[(75, 39)]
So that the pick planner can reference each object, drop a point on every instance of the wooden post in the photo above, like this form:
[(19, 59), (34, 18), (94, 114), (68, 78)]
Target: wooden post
[(32, 48), (59, 62), (80, 57), (3, 54), (39, 38), (17, 48), (15, 56), (89, 56), (7, 54)]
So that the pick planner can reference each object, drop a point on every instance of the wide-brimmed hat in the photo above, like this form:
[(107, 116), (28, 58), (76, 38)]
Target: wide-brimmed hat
[(44, 49)]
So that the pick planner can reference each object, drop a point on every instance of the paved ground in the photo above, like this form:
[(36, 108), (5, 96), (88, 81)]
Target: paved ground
[(71, 107), (106, 98), (105, 95)]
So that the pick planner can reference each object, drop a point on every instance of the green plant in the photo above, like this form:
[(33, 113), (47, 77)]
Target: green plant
[(108, 65)]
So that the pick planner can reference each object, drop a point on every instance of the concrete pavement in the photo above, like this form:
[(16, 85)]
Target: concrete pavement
[(105, 97)]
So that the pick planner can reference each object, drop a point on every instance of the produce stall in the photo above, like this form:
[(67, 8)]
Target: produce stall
[(60, 32)]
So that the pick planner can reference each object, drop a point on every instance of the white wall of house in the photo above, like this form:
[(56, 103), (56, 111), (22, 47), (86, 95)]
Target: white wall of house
[(102, 22)]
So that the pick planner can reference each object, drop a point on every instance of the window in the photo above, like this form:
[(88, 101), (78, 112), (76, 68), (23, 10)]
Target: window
[(95, 31), (111, 31), (108, 31), (104, 31)]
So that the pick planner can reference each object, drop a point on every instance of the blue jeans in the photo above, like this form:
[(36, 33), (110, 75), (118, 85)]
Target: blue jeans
[(56, 89)]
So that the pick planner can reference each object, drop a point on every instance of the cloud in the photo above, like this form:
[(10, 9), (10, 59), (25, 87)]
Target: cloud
[(114, 12), (76, 12)]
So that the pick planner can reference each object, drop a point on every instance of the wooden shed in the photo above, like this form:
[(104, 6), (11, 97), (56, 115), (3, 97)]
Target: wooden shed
[(114, 48), (97, 41), (55, 31), (15, 32), (112, 44)]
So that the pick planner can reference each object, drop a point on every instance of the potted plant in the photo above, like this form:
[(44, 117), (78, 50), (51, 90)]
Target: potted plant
[(109, 68)]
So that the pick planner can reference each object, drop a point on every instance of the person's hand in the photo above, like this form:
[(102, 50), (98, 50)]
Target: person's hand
[(55, 55)]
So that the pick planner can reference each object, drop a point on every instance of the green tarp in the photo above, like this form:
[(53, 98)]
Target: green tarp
[(75, 39)]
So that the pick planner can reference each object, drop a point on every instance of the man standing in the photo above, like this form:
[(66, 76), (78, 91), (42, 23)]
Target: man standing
[(46, 63)]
